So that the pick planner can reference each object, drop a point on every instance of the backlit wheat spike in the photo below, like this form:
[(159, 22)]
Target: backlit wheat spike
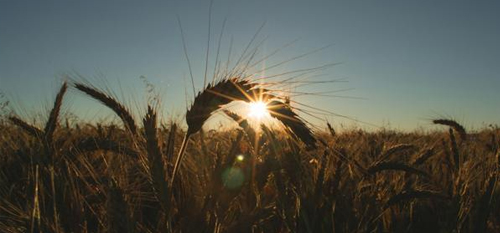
[(243, 123), (111, 103), (34, 131), (213, 97), (284, 113), (156, 166), (453, 124), (330, 129), (171, 141), (208, 101), (54, 114)]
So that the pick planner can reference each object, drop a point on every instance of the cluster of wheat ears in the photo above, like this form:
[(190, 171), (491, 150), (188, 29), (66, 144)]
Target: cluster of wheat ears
[(103, 179), (209, 100)]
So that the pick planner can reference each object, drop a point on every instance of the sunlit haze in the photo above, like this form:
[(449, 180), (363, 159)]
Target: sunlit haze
[(257, 110), (398, 63)]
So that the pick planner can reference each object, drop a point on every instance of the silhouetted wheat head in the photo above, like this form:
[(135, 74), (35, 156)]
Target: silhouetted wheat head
[(213, 97), (111, 103), (243, 123), (207, 102), (453, 124), (284, 113)]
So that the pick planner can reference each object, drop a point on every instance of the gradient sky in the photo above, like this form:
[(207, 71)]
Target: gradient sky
[(407, 61)]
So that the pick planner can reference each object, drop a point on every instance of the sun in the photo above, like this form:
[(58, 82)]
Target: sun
[(257, 110)]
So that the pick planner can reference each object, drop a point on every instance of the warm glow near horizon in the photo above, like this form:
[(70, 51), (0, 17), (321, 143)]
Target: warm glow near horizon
[(400, 63)]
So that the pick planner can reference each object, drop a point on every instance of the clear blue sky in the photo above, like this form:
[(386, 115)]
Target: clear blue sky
[(409, 61)]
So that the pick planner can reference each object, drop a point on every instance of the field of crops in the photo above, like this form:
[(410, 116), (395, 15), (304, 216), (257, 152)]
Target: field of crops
[(145, 176)]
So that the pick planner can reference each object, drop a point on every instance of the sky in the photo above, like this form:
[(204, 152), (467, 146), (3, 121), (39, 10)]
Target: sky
[(402, 63)]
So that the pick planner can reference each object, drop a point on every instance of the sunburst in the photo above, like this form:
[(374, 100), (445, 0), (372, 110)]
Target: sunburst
[(257, 110)]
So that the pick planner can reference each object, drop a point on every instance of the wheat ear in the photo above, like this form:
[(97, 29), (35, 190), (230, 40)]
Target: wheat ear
[(32, 130), (331, 129), (51, 124), (284, 113), (208, 101), (156, 166), (243, 123), (111, 103), (453, 124)]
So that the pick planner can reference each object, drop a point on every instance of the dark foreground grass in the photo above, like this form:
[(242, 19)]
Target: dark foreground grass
[(105, 179)]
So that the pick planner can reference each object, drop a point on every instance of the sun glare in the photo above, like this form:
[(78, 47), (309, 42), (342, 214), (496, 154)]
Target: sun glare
[(257, 110)]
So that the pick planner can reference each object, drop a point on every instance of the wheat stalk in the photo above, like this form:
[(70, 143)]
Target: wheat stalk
[(156, 166), (111, 103), (454, 150), (321, 176), (47, 136)]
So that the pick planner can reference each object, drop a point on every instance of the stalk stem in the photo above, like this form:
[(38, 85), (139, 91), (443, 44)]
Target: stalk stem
[(179, 157)]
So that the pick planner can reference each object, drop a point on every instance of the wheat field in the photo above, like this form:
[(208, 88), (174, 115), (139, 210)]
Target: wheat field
[(142, 175)]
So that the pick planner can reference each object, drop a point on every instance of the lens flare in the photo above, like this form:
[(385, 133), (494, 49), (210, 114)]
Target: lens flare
[(233, 178)]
